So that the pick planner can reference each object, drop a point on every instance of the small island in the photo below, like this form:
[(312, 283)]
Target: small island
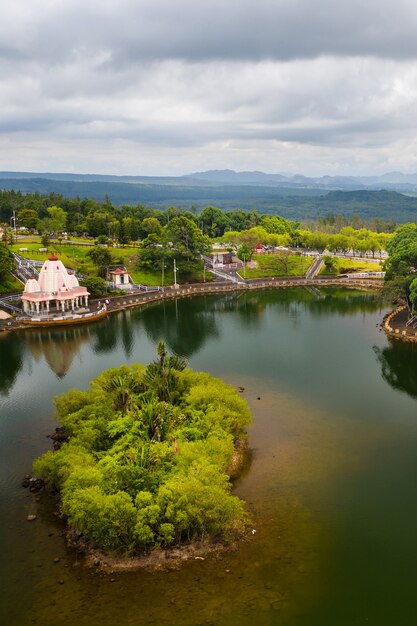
[(146, 458)]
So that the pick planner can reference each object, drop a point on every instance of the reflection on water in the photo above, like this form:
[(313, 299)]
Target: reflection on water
[(11, 361), (57, 347), (398, 362), (185, 325), (330, 490)]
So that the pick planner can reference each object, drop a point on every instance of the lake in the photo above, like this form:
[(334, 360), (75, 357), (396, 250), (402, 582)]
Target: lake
[(330, 487)]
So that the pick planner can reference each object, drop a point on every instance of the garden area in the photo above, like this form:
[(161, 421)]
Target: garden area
[(334, 266), (281, 264)]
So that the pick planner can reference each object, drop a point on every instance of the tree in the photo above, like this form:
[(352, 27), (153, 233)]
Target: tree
[(401, 265), (214, 221), (413, 294), (275, 224), (96, 286), (151, 226), (98, 223), (186, 238), (161, 373), (102, 258), (123, 236), (244, 253), (6, 261), (56, 220), (28, 218)]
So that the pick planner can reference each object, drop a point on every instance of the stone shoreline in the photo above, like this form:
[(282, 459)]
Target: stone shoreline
[(137, 299), (395, 325)]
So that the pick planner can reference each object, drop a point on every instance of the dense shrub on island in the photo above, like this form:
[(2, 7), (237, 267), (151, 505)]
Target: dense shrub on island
[(146, 457)]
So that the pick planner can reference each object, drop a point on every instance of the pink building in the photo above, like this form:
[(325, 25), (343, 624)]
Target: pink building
[(55, 288)]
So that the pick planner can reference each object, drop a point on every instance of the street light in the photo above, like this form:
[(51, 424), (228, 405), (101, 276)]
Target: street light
[(13, 217), (175, 275)]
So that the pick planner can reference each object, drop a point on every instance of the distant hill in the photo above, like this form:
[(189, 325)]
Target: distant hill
[(295, 197), (394, 181)]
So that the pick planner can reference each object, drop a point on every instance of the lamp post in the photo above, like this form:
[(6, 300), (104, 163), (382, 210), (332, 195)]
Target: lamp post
[(13, 217), (244, 267), (175, 275), (163, 268)]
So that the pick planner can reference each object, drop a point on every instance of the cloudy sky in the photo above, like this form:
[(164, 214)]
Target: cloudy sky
[(171, 87)]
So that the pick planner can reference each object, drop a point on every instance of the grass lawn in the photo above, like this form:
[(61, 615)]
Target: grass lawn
[(270, 265), (76, 257), (349, 266), (10, 285)]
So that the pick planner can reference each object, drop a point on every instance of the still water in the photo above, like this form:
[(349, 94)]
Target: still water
[(331, 487)]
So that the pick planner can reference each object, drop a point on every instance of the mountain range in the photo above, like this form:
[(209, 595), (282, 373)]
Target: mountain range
[(395, 181), (391, 196)]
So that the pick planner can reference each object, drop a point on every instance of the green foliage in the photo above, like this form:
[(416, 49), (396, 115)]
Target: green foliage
[(281, 264), (96, 286), (56, 220), (6, 261), (102, 258), (147, 456), (413, 294), (330, 264), (401, 265), (28, 218)]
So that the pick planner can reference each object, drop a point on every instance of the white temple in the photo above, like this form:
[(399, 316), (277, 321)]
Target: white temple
[(55, 287)]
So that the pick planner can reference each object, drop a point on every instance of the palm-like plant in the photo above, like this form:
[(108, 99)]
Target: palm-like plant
[(160, 375), (123, 386)]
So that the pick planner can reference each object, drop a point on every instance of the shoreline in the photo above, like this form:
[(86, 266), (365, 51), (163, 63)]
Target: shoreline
[(138, 299), (395, 326), (156, 558)]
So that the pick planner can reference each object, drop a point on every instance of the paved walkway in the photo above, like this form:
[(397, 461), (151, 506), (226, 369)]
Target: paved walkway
[(118, 303), (395, 325)]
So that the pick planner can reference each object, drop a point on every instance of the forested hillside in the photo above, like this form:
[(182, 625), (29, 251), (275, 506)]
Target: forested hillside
[(293, 203)]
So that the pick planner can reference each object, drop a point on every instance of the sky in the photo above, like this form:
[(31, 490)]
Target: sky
[(164, 87)]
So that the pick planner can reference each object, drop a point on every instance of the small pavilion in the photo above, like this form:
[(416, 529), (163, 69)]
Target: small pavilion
[(55, 288), (119, 276)]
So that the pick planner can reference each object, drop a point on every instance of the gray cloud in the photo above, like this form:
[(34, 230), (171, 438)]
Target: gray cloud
[(136, 30), (225, 84)]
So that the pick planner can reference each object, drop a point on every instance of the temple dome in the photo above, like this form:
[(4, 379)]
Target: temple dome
[(73, 281), (53, 276), (32, 286)]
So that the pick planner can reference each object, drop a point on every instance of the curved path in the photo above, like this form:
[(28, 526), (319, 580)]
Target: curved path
[(118, 303), (395, 325)]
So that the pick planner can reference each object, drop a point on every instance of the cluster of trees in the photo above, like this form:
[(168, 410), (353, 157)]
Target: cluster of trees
[(401, 266), (147, 455), (180, 239), (183, 235), (54, 213), (276, 231)]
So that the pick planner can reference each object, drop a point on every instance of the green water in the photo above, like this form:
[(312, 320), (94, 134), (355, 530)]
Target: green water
[(331, 488)]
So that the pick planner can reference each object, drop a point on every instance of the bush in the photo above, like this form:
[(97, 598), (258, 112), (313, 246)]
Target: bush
[(147, 456), (96, 286)]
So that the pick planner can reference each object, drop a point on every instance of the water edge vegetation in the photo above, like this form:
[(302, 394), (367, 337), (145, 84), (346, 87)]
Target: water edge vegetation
[(146, 457)]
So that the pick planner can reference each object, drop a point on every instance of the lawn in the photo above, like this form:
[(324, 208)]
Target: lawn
[(349, 266), (271, 265), (10, 285), (76, 257)]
